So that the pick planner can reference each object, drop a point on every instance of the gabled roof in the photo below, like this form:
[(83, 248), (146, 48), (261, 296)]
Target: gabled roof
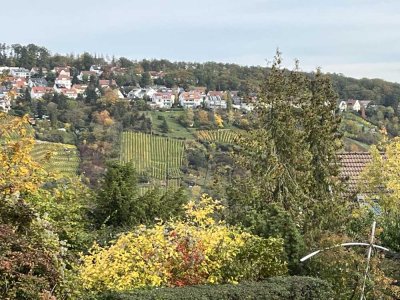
[(107, 82), (215, 93), (352, 164)]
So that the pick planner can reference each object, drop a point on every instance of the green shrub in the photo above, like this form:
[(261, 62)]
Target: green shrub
[(295, 287)]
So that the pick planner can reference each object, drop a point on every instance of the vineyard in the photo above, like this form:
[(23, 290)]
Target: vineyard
[(225, 136), (61, 159), (158, 157)]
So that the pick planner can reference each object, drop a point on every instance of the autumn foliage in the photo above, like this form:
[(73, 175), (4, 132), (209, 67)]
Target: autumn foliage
[(197, 250)]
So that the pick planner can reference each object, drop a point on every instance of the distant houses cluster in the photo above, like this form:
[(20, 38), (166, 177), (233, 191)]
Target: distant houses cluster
[(19, 80), (164, 98), (354, 105)]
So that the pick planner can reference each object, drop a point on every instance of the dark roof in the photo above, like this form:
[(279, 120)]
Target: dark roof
[(351, 166)]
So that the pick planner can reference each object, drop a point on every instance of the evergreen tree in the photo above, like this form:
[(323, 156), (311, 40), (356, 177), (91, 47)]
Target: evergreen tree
[(289, 159), (164, 126), (117, 201)]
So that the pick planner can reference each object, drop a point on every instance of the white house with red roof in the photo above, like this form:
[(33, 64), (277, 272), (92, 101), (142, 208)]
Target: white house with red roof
[(63, 81), (83, 75), (80, 88), (40, 91), (19, 82), (190, 99), (70, 93), (5, 100), (105, 83), (163, 99), (96, 69), (62, 71)]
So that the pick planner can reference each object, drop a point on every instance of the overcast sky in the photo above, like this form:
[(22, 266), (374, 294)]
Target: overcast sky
[(359, 38)]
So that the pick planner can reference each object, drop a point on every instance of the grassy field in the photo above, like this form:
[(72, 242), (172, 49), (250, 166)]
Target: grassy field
[(62, 159), (157, 157), (176, 130)]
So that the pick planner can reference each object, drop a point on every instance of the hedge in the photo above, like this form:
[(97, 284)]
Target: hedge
[(295, 287)]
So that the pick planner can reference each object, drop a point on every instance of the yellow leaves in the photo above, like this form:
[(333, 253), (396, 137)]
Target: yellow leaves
[(18, 172), (198, 250), (382, 177), (218, 120), (203, 213)]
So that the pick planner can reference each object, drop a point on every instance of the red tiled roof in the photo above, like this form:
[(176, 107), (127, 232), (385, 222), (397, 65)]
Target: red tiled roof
[(215, 93), (107, 82), (351, 166)]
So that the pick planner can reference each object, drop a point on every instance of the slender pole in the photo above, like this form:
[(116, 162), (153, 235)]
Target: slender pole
[(368, 260)]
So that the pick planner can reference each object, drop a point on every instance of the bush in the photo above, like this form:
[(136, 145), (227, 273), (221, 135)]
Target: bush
[(274, 288)]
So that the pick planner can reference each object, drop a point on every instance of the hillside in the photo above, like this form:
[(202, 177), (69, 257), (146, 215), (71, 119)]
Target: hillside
[(61, 159), (154, 157)]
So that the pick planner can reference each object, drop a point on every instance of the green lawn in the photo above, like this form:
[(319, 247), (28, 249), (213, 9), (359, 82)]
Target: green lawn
[(176, 130)]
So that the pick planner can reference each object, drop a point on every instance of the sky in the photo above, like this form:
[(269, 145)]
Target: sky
[(358, 38)]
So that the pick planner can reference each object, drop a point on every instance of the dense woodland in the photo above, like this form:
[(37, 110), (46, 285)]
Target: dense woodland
[(257, 191)]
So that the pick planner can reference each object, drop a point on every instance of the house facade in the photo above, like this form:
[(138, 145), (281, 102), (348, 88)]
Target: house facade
[(163, 99), (40, 91), (70, 93), (5, 101), (215, 102), (63, 81), (352, 104), (190, 99), (20, 72)]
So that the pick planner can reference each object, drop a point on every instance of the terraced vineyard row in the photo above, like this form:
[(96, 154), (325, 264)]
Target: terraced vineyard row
[(158, 157), (226, 136), (57, 158)]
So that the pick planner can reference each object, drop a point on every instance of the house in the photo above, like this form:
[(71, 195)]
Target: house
[(156, 74), (342, 105), (118, 70), (62, 71), (220, 94), (20, 72), (352, 104), (5, 101), (351, 166), (235, 97), (19, 83), (190, 99), (215, 102), (37, 70), (163, 99), (37, 82), (105, 83), (80, 88), (246, 107), (40, 91), (63, 81), (199, 89), (116, 91), (96, 69), (70, 93), (365, 103), (85, 75), (139, 93)]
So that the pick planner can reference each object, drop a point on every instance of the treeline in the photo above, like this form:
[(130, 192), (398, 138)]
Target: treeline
[(212, 75)]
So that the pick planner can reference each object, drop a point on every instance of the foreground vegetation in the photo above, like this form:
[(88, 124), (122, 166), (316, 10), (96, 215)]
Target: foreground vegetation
[(278, 288)]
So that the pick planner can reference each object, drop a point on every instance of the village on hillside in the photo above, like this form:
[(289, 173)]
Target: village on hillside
[(34, 84)]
